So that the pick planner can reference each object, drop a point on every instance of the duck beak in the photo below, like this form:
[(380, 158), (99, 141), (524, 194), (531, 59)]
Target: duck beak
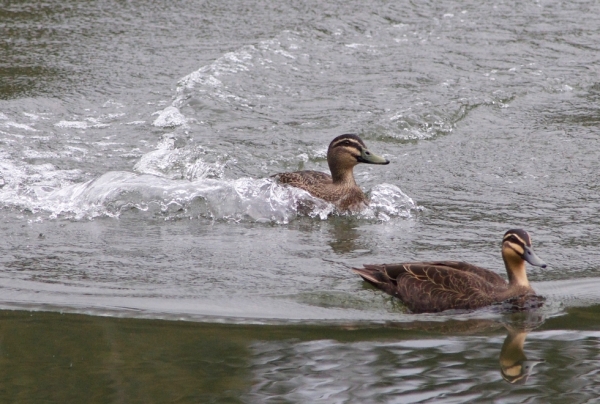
[(367, 157), (519, 373), (533, 259)]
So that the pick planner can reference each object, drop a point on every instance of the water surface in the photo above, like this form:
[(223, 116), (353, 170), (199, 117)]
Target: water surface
[(136, 145)]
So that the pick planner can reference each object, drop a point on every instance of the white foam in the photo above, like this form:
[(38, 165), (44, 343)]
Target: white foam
[(387, 201), (233, 200), (169, 117), (174, 183), (185, 163), (11, 124), (72, 124)]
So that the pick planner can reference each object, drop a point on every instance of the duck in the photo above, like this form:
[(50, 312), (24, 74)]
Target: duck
[(339, 188), (430, 287)]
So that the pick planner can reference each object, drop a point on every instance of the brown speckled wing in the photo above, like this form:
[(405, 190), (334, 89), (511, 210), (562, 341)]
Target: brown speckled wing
[(490, 276), (430, 287), (315, 182), (304, 179), (320, 185), (433, 288)]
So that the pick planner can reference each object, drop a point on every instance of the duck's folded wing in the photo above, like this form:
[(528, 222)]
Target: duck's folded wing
[(302, 179), (433, 288), (426, 287), (490, 276)]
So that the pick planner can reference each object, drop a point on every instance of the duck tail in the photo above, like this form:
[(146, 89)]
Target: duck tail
[(369, 275)]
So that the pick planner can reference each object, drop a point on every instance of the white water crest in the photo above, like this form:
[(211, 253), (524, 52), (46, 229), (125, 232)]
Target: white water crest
[(243, 199), (175, 181), (169, 117), (387, 201), (271, 78)]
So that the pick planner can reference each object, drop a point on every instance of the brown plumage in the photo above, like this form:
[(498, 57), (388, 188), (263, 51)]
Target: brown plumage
[(427, 287), (339, 188)]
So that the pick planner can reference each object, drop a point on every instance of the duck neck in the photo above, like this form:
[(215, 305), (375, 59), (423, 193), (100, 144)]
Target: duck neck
[(515, 268), (512, 348), (343, 177)]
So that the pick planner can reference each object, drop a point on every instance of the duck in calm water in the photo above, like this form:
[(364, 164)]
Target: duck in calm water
[(427, 287), (339, 188)]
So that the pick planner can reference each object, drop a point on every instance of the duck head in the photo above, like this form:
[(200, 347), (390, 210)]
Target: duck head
[(516, 250), (345, 152)]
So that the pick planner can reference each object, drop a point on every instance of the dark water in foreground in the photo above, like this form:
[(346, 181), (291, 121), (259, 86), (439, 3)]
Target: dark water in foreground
[(51, 357), (136, 144)]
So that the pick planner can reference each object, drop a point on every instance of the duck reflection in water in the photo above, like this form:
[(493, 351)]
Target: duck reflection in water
[(514, 365), (345, 237)]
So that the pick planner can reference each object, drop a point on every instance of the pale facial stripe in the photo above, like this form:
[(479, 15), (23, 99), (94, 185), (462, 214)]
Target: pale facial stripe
[(516, 247), (515, 235), (355, 144)]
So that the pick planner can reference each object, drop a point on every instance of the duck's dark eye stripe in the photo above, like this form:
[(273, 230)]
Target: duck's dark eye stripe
[(347, 142), (514, 238), (519, 234), (347, 137)]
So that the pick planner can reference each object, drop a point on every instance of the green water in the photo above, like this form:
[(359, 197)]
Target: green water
[(52, 357)]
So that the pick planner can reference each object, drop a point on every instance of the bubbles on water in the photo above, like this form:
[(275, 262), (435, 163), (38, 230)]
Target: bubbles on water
[(265, 81), (6, 122), (178, 164), (24, 182), (177, 180), (89, 122), (72, 124)]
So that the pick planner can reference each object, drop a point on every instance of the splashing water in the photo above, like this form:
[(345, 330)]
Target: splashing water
[(244, 199), (387, 201), (176, 181), (255, 80)]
